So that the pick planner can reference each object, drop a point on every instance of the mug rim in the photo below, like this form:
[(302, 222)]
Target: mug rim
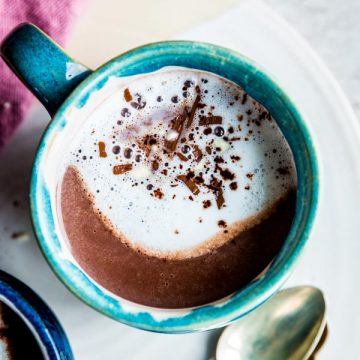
[(209, 315)]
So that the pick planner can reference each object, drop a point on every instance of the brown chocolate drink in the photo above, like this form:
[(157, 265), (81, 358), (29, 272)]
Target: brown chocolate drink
[(178, 191), (16, 340)]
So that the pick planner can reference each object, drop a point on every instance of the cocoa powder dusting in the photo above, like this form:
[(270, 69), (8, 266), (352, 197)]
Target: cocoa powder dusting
[(283, 170), (158, 194), (234, 186), (235, 158), (222, 223), (227, 174), (218, 160), (206, 204)]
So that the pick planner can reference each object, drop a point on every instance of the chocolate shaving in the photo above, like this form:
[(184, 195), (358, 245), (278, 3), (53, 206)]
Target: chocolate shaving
[(192, 111), (189, 183), (102, 151), (177, 126), (210, 120), (154, 165), (217, 186), (121, 169), (147, 150), (220, 201), (182, 157), (127, 95), (208, 150), (198, 153)]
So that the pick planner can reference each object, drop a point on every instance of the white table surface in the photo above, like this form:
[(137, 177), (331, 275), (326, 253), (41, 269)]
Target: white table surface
[(332, 28), (330, 261)]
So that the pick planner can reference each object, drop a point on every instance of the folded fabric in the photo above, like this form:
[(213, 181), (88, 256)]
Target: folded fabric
[(55, 18)]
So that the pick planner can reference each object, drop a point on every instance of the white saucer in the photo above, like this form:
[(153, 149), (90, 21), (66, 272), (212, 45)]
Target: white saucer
[(331, 260)]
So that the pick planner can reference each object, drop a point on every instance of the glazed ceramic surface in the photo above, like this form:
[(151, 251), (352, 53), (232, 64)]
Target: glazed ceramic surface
[(145, 59), (37, 315)]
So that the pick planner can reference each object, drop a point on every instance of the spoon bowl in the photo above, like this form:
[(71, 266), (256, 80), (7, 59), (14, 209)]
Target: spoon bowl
[(287, 327)]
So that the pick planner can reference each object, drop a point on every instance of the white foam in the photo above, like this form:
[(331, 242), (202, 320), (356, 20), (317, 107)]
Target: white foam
[(176, 223)]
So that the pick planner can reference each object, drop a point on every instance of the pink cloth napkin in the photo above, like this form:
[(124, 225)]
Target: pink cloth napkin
[(55, 18)]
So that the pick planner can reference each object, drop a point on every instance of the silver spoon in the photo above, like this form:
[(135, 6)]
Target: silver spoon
[(287, 327)]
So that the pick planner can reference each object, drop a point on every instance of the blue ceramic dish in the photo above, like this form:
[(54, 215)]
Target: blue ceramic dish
[(43, 68), (43, 323)]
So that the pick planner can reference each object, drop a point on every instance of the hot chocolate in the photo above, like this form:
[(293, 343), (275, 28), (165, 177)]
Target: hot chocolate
[(16, 340), (177, 189)]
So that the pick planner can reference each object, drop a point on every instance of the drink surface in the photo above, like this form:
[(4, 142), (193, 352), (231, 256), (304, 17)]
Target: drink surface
[(168, 170), (16, 340)]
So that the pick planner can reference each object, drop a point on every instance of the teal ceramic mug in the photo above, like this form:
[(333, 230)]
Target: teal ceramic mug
[(62, 84)]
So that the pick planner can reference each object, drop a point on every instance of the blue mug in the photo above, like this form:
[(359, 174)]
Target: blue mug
[(62, 84), (40, 319)]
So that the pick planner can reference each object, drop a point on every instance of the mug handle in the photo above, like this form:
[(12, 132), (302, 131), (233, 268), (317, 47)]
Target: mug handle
[(42, 65)]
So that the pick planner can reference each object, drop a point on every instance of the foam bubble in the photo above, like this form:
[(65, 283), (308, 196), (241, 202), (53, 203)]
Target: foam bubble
[(232, 139)]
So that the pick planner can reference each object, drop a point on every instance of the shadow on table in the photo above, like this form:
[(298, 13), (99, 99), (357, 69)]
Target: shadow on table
[(211, 344)]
